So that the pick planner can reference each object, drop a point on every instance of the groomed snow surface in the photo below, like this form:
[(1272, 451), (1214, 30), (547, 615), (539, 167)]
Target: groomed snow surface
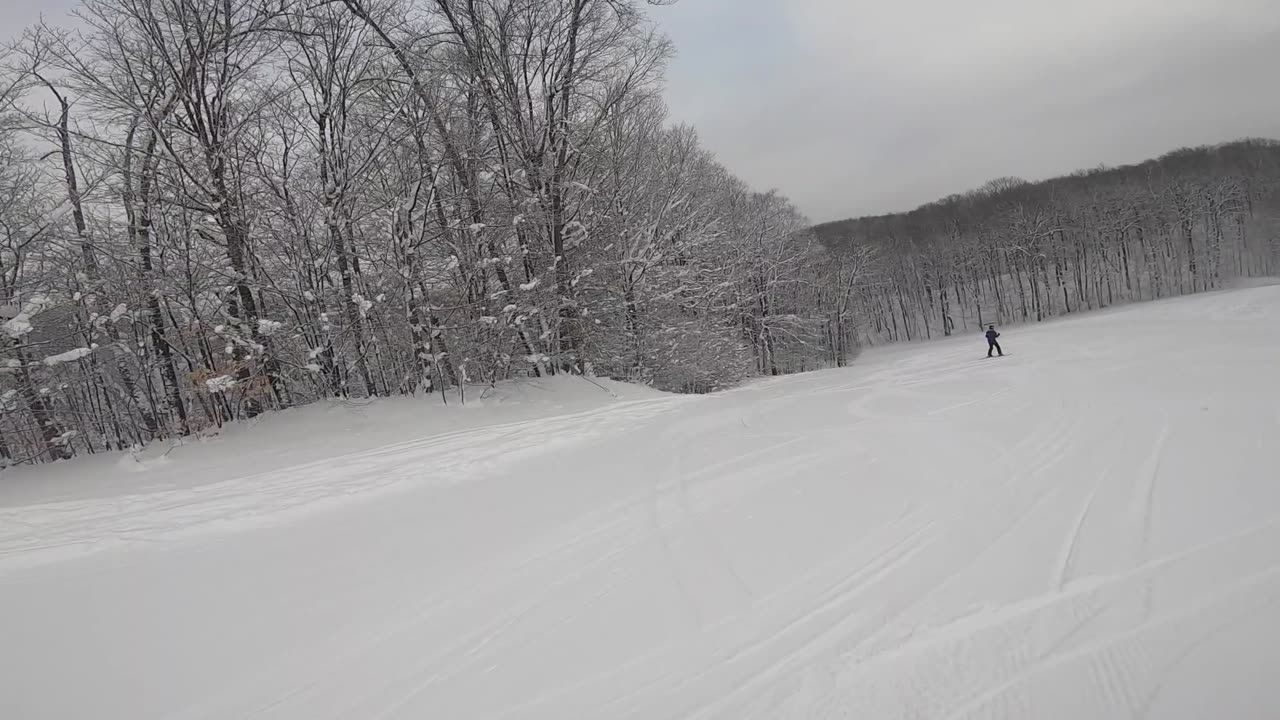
[(1087, 528)]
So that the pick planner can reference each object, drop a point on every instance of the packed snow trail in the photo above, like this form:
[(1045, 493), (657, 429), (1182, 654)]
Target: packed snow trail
[(1089, 527)]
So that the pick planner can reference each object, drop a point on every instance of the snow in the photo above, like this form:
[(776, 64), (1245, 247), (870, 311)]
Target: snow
[(1086, 528), (222, 383), (68, 356), (270, 327), (20, 325)]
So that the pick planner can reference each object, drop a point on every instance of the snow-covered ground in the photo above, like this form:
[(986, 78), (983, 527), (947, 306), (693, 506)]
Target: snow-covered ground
[(1087, 528)]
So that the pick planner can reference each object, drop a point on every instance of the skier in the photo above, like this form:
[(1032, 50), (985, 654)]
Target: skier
[(991, 341)]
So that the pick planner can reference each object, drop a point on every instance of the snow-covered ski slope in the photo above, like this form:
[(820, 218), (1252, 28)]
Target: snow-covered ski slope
[(1088, 528)]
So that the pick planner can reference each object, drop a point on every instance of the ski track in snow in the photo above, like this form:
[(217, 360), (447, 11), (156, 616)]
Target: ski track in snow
[(73, 528), (1063, 573), (1088, 528)]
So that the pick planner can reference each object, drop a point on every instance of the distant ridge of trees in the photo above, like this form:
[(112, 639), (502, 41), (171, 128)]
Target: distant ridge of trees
[(1016, 251)]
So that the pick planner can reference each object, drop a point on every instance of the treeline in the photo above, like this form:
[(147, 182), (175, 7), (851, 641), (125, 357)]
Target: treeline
[(210, 209), (214, 208), (1015, 251)]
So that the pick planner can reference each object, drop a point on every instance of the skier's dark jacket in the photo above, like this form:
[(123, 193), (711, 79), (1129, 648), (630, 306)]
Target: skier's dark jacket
[(992, 335)]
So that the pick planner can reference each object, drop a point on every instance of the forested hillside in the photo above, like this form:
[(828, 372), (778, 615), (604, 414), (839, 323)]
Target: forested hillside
[(1015, 251), (214, 208)]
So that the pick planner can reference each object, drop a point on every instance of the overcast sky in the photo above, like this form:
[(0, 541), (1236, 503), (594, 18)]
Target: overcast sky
[(17, 14), (853, 107)]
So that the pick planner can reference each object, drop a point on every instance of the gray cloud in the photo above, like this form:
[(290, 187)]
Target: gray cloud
[(18, 14), (854, 107)]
